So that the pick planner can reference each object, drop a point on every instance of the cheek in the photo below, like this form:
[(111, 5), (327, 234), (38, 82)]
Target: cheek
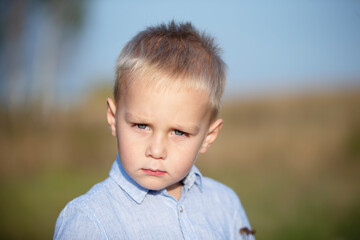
[(130, 157), (129, 148), (184, 163), (192, 148), (186, 154)]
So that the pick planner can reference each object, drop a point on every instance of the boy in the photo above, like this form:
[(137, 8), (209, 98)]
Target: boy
[(169, 81)]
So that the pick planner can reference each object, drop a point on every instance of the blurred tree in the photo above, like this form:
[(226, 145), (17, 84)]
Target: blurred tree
[(32, 36)]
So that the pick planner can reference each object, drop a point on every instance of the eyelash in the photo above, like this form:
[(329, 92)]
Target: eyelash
[(176, 132)]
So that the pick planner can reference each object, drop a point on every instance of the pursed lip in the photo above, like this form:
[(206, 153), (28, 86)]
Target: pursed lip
[(154, 172)]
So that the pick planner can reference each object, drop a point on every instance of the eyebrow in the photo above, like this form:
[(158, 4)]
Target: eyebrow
[(134, 118)]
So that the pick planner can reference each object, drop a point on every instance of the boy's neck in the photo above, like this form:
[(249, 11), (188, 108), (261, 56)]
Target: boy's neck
[(175, 190)]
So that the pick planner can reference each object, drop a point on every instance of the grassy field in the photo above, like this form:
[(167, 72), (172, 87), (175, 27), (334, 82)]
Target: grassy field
[(294, 161)]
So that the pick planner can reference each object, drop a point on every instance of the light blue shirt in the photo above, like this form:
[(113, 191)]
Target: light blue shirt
[(119, 208)]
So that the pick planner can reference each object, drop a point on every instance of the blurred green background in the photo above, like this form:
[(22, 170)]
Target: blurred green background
[(290, 145), (294, 160)]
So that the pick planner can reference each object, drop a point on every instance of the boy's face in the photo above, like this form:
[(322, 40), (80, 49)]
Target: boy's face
[(160, 132)]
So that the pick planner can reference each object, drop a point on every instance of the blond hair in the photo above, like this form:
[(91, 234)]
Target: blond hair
[(173, 53)]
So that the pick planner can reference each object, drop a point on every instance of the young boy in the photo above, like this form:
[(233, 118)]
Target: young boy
[(169, 81)]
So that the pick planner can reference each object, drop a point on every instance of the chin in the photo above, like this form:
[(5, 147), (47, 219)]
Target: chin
[(154, 186)]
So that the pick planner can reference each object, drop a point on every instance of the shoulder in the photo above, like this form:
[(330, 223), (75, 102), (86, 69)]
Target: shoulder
[(79, 219), (88, 201), (226, 197), (76, 221), (218, 189)]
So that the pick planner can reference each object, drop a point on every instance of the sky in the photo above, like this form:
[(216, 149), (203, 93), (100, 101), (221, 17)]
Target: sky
[(267, 45)]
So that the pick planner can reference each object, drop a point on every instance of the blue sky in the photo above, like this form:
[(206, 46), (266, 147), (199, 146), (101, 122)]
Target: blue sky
[(267, 45)]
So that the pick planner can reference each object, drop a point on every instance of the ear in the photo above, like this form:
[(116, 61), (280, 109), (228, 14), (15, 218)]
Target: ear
[(110, 114), (212, 134)]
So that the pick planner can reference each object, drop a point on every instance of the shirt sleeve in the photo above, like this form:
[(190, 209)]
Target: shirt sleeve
[(242, 229), (78, 223)]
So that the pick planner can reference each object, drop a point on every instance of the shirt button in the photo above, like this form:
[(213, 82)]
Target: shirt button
[(181, 209)]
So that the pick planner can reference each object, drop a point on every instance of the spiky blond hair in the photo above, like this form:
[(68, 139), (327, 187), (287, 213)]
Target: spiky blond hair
[(170, 53)]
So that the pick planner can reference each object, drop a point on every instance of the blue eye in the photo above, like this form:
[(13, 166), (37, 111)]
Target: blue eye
[(179, 133), (141, 126)]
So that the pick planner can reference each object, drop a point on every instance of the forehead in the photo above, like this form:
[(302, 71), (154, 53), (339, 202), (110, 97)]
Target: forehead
[(172, 103)]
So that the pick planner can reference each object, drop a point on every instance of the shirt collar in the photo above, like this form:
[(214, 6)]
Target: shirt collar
[(137, 192), (194, 177), (132, 188)]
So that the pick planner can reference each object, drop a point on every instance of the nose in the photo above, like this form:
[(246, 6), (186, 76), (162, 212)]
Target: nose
[(157, 148)]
